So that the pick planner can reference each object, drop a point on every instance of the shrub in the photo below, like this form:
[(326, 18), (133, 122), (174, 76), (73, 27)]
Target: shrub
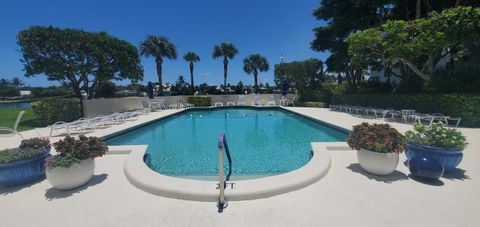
[(200, 100), (105, 90), (51, 110), (466, 106), (16, 154), (379, 138), (35, 143), (73, 151), (436, 135), (314, 104)]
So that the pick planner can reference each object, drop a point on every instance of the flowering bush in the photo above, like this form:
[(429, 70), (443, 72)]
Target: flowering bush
[(437, 135), (35, 143), (73, 151), (379, 138)]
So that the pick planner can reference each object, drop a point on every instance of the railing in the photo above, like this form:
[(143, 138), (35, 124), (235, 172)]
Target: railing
[(222, 143)]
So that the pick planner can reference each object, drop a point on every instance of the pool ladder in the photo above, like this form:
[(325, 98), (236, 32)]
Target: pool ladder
[(222, 143)]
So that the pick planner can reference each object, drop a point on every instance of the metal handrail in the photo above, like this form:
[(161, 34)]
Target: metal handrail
[(222, 143)]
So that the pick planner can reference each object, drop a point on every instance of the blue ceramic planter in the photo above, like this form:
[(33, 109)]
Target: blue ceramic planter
[(23, 171), (449, 158), (425, 168)]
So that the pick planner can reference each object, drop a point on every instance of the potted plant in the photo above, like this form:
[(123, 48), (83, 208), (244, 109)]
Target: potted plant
[(378, 147), (436, 141), (74, 164), (24, 164)]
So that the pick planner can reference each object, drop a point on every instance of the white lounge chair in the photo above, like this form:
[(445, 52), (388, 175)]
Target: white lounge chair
[(79, 125), (241, 100), (218, 104), (146, 107), (287, 101), (14, 129), (271, 101), (230, 103), (256, 100)]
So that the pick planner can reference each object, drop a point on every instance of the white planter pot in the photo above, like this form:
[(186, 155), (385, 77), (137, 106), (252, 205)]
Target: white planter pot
[(73, 177), (377, 163)]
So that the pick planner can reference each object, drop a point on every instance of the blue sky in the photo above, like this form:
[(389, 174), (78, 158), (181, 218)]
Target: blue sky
[(267, 27)]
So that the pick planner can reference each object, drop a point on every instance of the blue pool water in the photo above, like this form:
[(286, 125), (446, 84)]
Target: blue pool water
[(261, 141)]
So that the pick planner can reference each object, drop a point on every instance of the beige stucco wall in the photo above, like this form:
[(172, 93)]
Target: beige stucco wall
[(94, 107)]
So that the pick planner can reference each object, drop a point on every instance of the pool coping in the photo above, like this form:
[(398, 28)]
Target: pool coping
[(108, 136), (144, 178)]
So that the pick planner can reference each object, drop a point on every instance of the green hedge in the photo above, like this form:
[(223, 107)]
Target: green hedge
[(466, 106), (51, 110), (200, 100), (314, 104)]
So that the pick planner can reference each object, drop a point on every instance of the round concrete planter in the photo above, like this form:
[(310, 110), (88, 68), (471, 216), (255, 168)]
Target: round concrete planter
[(73, 177), (377, 163)]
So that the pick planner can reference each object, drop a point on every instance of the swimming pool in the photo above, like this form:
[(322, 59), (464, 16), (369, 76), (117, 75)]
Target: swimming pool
[(262, 141)]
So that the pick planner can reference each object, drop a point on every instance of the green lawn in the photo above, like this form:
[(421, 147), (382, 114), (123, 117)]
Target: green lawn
[(8, 117)]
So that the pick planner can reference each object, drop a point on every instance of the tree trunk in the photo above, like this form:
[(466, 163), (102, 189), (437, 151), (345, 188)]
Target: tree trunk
[(255, 78), (415, 70), (225, 69), (191, 78), (457, 3), (159, 62), (418, 9)]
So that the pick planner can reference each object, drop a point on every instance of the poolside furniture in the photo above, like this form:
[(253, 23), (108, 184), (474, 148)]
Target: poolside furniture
[(241, 100), (406, 114), (372, 111), (230, 103), (271, 101), (14, 129), (286, 101), (256, 100), (218, 104), (145, 107), (79, 125), (157, 104), (458, 119), (357, 109)]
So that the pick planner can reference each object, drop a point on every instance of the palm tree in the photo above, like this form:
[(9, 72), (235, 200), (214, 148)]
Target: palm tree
[(227, 51), (253, 64), (191, 57), (17, 82), (158, 47)]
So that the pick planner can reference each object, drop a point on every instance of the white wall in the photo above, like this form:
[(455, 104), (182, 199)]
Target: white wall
[(95, 107)]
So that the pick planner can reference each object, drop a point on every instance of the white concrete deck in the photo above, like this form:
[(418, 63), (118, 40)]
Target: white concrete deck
[(346, 196)]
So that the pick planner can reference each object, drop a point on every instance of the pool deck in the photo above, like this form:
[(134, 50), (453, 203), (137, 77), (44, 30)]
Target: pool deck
[(346, 196)]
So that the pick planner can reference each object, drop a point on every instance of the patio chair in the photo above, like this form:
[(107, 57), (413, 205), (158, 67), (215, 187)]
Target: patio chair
[(359, 110), (287, 101), (218, 104), (271, 101), (458, 119), (428, 119), (374, 111), (79, 125), (145, 107), (13, 130), (230, 103), (241, 100), (256, 100)]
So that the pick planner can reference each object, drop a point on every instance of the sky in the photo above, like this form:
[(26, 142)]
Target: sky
[(266, 27)]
